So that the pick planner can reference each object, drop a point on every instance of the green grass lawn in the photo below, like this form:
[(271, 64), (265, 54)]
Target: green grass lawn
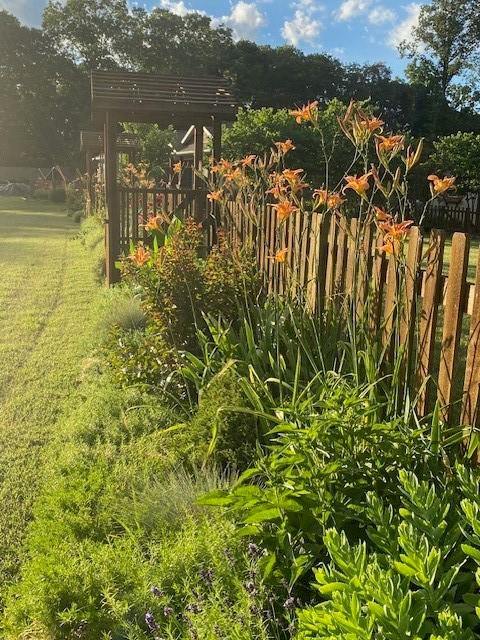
[(48, 303)]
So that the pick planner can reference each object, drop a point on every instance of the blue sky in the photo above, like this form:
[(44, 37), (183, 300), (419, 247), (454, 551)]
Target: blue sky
[(352, 30)]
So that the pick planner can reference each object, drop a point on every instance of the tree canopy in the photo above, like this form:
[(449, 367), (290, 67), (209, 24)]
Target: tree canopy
[(445, 49), (458, 155)]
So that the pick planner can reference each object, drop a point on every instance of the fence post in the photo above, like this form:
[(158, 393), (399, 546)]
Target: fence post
[(471, 401), (428, 320), (112, 222), (452, 321)]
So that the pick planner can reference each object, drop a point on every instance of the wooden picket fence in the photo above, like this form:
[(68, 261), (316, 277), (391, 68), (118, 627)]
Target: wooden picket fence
[(136, 205), (440, 306)]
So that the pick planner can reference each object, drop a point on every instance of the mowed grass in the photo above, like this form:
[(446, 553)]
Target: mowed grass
[(49, 301)]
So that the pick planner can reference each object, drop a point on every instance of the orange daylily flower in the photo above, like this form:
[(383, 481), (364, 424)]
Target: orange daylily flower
[(280, 256), (291, 174), (388, 247), (177, 167), (358, 184), (307, 113), (371, 124), (332, 200), (277, 191), (294, 179), (390, 144), (335, 200), (235, 175), (222, 167), (153, 223), (321, 195), (285, 147), (284, 209), (381, 215), (394, 233), (215, 196), (248, 161), (440, 185), (141, 256)]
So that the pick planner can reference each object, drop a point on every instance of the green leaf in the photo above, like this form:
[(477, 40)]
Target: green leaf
[(472, 552), (263, 513), (217, 498)]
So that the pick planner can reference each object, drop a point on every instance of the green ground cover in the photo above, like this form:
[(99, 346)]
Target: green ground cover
[(48, 302)]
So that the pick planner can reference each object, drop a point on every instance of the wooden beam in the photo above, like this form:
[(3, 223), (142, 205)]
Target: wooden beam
[(90, 186), (217, 140), (112, 222), (197, 167)]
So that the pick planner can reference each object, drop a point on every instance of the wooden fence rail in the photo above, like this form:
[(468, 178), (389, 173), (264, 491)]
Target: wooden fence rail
[(440, 307)]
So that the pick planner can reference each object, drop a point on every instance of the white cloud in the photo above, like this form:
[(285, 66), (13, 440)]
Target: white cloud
[(381, 15), (352, 8), (403, 31), (27, 11), (178, 7), (303, 25), (245, 20)]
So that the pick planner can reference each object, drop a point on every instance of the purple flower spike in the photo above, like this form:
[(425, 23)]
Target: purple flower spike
[(150, 621)]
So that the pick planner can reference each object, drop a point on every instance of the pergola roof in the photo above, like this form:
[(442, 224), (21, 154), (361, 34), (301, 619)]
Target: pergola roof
[(93, 141), (143, 97)]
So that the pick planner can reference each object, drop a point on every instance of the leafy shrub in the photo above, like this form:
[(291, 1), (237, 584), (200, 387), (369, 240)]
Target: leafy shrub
[(326, 450), (178, 287), (227, 436), (74, 199), (256, 131), (171, 285), (139, 356), (231, 280), (458, 155), (418, 580)]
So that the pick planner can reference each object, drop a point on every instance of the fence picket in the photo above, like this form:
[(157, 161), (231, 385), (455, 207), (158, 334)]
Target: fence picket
[(342, 240), (428, 319), (408, 302), (452, 321), (471, 400), (332, 251), (351, 256), (313, 261), (379, 275)]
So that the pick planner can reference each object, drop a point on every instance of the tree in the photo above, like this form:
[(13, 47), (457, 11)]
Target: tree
[(43, 98), (257, 130), (445, 49), (183, 45), (283, 76), (156, 145), (105, 34), (458, 155), (93, 33)]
